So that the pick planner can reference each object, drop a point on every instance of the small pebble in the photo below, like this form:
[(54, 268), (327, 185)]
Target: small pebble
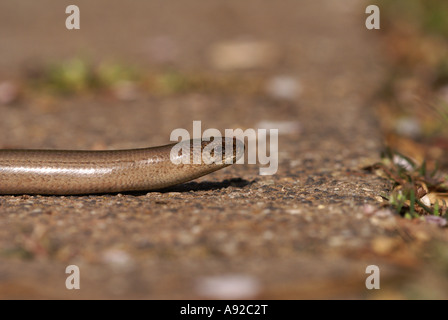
[(9, 92), (336, 241), (408, 127), (369, 209), (294, 211), (383, 245), (118, 259), (284, 88), (243, 54), (425, 200), (402, 162), (439, 221), (228, 287)]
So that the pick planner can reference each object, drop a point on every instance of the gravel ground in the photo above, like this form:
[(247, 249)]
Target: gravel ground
[(309, 231)]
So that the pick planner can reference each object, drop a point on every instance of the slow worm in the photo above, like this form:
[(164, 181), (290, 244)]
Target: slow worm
[(66, 172)]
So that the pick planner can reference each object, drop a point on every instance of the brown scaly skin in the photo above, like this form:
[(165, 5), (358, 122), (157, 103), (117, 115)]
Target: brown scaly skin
[(66, 172)]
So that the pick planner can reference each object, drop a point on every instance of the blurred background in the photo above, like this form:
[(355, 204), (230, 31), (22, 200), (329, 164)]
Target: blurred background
[(414, 94), (124, 56), (338, 93), (124, 52)]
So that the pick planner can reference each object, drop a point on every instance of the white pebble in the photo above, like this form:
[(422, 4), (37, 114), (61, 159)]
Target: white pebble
[(284, 88), (425, 200), (402, 162), (118, 259), (408, 127), (243, 54), (228, 287)]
